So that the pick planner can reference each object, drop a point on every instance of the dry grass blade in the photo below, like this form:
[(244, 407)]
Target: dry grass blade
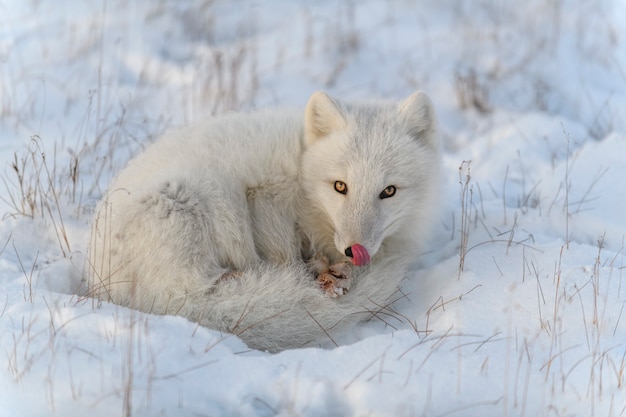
[(322, 328), (467, 192)]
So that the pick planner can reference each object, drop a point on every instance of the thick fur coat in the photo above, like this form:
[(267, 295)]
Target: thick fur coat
[(278, 227)]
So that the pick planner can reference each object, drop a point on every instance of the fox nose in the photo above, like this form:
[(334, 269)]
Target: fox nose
[(349, 252)]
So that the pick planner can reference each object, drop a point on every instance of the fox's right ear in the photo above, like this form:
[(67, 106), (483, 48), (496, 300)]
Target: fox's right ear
[(322, 116), (419, 117)]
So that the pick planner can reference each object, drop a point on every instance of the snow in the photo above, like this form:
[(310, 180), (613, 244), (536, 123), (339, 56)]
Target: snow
[(533, 94)]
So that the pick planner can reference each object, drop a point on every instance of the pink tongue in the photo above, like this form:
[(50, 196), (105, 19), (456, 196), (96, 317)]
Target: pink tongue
[(360, 256)]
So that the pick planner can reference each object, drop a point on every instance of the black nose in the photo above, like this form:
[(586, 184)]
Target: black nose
[(349, 252)]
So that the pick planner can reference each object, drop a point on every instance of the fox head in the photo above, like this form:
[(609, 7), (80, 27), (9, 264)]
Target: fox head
[(371, 171)]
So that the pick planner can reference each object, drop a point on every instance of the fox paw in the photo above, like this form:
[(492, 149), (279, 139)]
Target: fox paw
[(335, 279)]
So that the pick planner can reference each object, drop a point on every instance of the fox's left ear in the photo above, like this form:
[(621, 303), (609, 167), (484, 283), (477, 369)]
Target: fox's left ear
[(419, 117), (322, 116)]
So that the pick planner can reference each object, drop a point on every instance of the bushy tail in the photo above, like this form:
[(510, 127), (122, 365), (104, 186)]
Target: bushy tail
[(274, 308)]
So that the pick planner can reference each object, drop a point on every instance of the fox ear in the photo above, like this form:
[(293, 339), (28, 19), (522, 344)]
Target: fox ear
[(322, 116), (418, 115)]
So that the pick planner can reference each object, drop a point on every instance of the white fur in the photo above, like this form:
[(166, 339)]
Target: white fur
[(217, 222)]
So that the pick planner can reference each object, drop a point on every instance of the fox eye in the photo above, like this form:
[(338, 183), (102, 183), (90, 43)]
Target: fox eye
[(388, 192), (341, 187)]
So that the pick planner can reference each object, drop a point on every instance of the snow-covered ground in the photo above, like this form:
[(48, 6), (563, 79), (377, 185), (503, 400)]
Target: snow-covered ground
[(517, 308)]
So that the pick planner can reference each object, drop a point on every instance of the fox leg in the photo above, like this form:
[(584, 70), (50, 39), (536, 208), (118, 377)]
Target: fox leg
[(206, 220), (273, 222)]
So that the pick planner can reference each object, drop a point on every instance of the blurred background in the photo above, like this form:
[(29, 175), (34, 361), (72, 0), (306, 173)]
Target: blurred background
[(105, 76)]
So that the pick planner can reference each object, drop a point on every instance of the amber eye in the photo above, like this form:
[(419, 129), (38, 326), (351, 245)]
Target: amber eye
[(341, 187), (388, 192)]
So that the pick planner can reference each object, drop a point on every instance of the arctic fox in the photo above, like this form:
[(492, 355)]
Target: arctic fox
[(279, 228)]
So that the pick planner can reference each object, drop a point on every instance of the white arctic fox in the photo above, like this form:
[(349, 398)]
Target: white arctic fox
[(279, 228)]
